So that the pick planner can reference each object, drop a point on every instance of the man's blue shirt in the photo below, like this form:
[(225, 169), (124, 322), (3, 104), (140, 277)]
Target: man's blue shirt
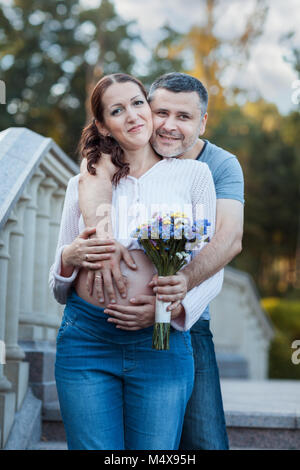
[(228, 178)]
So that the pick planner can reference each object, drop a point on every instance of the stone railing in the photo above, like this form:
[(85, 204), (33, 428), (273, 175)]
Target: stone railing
[(34, 173), (240, 326)]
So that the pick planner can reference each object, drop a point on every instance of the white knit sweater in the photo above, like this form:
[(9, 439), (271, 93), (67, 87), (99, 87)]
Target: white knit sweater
[(171, 184)]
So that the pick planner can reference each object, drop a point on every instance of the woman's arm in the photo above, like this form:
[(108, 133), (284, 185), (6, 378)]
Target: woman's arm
[(60, 285), (73, 247)]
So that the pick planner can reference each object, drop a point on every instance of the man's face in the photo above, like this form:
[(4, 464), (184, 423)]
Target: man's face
[(177, 122)]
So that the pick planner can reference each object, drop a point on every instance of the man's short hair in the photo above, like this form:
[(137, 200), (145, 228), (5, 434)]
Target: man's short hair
[(177, 82)]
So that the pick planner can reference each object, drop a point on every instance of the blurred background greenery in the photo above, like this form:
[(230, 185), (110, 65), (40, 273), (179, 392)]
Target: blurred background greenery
[(53, 53)]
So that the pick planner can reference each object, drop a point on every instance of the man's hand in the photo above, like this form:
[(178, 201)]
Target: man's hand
[(110, 269), (170, 288), (140, 315), (225, 244)]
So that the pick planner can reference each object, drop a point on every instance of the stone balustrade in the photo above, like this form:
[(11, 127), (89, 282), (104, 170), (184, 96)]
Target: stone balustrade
[(240, 327), (34, 173)]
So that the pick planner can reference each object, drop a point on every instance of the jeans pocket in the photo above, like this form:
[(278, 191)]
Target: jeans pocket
[(66, 322)]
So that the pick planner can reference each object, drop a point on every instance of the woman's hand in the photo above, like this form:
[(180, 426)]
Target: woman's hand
[(110, 269), (170, 288), (140, 315), (85, 252)]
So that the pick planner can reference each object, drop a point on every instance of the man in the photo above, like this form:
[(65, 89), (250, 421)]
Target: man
[(179, 107)]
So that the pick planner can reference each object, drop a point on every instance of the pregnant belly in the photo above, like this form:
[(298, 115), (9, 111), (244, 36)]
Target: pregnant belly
[(137, 281)]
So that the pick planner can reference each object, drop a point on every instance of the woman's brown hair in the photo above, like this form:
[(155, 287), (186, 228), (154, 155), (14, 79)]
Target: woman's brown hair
[(92, 144)]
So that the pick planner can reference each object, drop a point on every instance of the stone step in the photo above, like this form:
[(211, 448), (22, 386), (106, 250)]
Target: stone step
[(26, 430), (50, 445), (262, 414), (51, 411), (263, 438), (259, 415)]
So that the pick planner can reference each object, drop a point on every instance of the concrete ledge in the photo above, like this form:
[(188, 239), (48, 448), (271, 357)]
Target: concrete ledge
[(41, 357), (262, 414), (53, 431), (51, 411), (50, 445), (262, 404), (17, 372), (232, 366), (262, 420), (7, 415), (26, 430), (263, 439)]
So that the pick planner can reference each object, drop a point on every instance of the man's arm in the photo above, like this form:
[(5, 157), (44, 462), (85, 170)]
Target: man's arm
[(95, 202), (95, 196), (224, 245)]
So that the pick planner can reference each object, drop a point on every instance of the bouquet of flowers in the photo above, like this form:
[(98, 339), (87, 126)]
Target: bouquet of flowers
[(168, 240)]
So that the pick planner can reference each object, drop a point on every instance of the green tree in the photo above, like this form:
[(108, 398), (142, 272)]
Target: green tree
[(161, 61), (202, 53), (267, 146), (51, 55)]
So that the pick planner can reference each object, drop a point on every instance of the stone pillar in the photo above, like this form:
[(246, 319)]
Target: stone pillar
[(7, 415), (41, 272), (4, 257), (29, 332), (7, 396), (15, 370)]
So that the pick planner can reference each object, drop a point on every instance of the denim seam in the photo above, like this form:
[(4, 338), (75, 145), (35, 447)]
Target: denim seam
[(188, 346), (63, 330), (68, 322)]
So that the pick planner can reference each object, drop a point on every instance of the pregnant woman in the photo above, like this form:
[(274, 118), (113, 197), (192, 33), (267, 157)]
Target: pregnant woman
[(115, 391)]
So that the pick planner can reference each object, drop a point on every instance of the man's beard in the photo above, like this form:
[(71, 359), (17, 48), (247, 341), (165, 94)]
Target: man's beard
[(177, 153)]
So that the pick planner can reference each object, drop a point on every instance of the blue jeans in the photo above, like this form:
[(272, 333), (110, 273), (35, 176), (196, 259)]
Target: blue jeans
[(204, 425), (115, 391)]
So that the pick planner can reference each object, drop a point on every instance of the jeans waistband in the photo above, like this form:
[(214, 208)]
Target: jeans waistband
[(93, 319)]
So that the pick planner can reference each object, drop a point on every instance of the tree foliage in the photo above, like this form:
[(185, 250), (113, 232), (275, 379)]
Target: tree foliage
[(51, 55), (205, 55), (267, 146)]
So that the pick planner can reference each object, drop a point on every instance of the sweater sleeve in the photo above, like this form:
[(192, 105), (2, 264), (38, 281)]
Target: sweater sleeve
[(59, 285), (197, 299)]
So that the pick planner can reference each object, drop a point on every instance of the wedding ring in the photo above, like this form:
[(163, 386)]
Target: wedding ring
[(98, 277), (86, 257)]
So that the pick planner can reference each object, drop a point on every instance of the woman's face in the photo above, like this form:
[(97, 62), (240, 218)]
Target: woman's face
[(127, 115)]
